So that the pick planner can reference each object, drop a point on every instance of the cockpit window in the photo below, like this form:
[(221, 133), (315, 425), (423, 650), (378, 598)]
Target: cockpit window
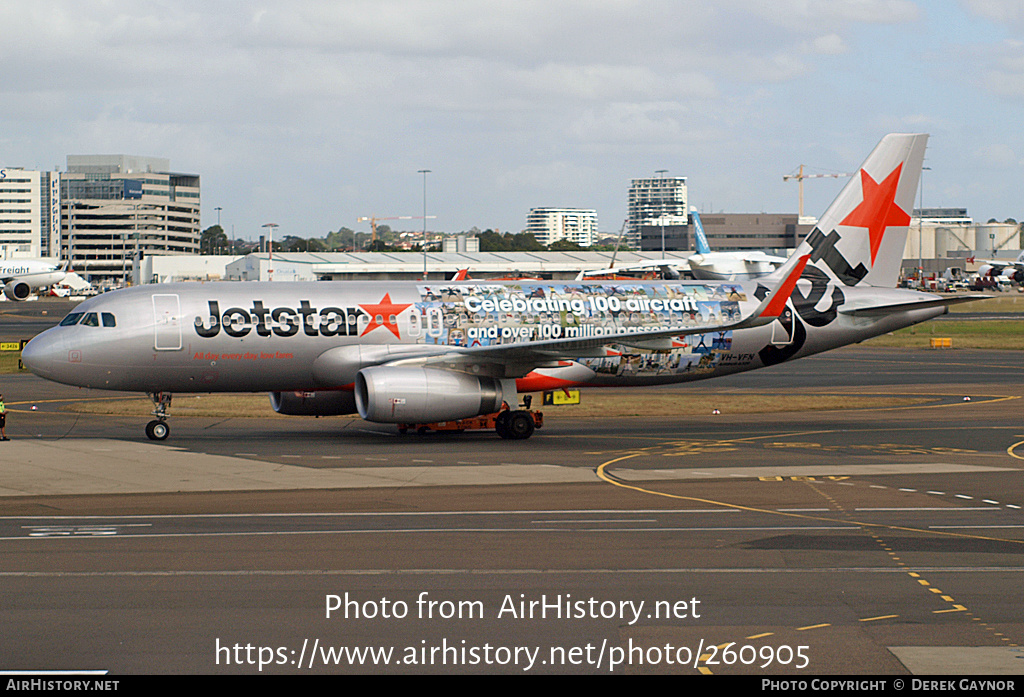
[(91, 320), (108, 320), (71, 319)]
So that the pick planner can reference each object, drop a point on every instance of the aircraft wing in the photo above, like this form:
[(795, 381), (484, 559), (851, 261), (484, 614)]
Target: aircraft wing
[(999, 264), (667, 266), (868, 310), (762, 258)]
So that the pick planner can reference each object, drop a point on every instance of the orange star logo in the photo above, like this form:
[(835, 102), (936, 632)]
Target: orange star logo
[(384, 314), (878, 210)]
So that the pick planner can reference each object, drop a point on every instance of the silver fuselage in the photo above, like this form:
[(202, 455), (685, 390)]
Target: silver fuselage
[(256, 337)]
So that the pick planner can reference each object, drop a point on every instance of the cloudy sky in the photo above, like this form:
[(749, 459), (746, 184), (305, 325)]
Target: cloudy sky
[(312, 113)]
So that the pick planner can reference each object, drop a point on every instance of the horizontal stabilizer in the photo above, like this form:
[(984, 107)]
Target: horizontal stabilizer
[(874, 310)]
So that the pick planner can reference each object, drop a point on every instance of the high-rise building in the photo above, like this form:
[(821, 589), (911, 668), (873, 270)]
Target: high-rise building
[(655, 201), (116, 208), (29, 213), (549, 225)]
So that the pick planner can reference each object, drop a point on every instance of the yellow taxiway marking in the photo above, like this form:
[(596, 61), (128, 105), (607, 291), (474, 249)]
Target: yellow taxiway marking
[(1012, 448), (602, 474)]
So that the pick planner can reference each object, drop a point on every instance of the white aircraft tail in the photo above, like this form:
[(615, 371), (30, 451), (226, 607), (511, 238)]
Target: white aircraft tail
[(861, 237)]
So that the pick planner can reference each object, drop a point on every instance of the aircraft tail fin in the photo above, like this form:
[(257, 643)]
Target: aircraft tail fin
[(861, 237), (700, 238)]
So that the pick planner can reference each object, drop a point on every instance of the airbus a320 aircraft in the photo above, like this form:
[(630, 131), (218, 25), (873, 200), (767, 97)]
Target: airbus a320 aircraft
[(421, 352), (21, 276)]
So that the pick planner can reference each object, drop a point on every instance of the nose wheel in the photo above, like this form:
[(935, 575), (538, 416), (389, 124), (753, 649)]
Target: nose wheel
[(158, 428)]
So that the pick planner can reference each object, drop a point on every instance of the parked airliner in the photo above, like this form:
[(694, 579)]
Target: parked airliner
[(994, 268), (21, 276), (727, 266)]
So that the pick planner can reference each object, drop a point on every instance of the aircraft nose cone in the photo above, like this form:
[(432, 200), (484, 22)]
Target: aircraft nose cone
[(42, 354)]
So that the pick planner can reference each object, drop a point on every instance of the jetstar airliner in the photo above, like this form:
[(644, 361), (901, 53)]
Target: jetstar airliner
[(421, 352), (21, 276)]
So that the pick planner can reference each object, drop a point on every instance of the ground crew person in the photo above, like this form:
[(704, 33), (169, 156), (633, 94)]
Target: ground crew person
[(3, 419)]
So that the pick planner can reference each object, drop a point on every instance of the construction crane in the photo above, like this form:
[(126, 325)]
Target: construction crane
[(374, 219), (800, 176)]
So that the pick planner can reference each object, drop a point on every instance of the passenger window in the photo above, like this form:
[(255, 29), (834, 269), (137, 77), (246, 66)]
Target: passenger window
[(71, 319), (91, 320), (108, 320)]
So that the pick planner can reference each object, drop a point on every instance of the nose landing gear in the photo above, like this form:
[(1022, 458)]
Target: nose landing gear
[(158, 428)]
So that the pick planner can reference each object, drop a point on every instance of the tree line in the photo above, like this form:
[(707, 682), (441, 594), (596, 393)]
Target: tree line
[(213, 240)]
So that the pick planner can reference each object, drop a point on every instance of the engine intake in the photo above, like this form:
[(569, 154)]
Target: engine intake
[(17, 290), (423, 395)]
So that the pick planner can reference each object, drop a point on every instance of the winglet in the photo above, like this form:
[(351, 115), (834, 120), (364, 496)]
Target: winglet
[(775, 302)]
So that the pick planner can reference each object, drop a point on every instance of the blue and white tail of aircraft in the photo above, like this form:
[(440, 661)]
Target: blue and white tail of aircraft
[(700, 239)]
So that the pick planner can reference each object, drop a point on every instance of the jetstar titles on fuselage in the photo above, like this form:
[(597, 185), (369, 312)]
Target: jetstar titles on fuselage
[(280, 321)]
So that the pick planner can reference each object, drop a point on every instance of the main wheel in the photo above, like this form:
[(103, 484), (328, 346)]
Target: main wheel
[(521, 425), (501, 424), (157, 430)]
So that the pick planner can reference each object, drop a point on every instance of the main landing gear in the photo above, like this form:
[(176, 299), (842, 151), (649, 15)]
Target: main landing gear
[(158, 428), (510, 425), (515, 425), (519, 424)]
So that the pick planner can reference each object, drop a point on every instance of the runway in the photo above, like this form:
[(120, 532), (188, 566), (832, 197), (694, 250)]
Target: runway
[(884, 541)]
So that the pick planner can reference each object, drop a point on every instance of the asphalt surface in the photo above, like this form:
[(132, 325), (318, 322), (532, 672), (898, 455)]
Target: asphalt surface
[(860, 542)]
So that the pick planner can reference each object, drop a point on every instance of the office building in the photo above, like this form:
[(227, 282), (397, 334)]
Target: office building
[(116, 208), (657, 201), (29, 213)]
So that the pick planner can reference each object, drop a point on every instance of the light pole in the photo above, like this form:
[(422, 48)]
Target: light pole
[(920, 233), (270, 259), (424, 172), (218, 209), (661, 208)]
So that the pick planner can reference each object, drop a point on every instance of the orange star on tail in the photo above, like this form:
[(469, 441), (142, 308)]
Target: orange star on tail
[(878, 210)]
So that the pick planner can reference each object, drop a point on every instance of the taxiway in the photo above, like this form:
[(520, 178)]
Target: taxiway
[(879, 541)]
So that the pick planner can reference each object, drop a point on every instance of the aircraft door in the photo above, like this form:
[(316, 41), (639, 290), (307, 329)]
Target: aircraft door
[(167, 316), (435, 322), (415, 327)]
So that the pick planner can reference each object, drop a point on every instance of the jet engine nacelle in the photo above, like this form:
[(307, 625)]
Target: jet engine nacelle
[(424, 395), (323, 403), (17, 290)]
